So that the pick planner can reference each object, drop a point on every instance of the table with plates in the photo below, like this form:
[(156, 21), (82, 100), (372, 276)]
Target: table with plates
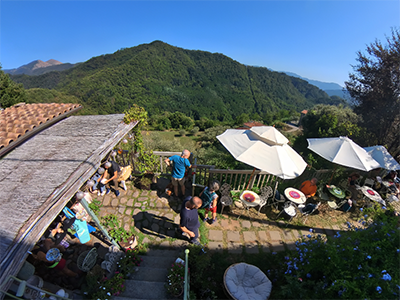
[(336, 191), (295, 195), (249, 199), (372, 194)]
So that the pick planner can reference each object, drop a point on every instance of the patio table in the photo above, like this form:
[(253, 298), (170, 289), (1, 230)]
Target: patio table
[(372, 194), (295, 195), (249, 199), (336, 191)]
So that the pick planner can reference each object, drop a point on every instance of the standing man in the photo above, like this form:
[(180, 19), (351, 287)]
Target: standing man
[(190, 218), (180, 163), (112, 170), (309, 187)]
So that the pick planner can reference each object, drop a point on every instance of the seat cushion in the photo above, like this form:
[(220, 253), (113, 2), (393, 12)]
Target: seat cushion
[(245, 282)]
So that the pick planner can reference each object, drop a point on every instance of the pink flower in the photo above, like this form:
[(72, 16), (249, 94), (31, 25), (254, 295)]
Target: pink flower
[(301, 280)]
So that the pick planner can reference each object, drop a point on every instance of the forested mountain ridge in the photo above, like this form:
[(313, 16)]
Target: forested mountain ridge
[(161, 77)]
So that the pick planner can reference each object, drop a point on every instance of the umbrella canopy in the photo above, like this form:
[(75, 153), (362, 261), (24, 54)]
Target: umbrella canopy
[(246, 146), (383, 157), (343, 151), (270, 135)]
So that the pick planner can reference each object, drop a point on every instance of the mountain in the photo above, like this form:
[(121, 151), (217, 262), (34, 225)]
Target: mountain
[(38, 67), (331, 88), (161, 77)]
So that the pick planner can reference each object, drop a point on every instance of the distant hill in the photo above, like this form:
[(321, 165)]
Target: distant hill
[(39, 67), (161, 77), (331, 88)]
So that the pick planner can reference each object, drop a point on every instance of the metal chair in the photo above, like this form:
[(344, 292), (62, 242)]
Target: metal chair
[(338, 205), (225, 201), (369, 182), (290, 209), (225, 189), (308, 209), (265, 193)]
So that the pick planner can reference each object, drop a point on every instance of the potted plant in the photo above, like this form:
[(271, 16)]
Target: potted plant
[(176, 279), (118, 233)]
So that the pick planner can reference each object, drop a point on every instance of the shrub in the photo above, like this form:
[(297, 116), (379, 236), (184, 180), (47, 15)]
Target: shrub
[(356, 264)]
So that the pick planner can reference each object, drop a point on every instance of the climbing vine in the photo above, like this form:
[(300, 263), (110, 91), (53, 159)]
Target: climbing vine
[(144, 159)]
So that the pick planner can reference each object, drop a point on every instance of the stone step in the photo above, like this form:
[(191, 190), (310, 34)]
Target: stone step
[(143, 290), (149, 274), (163, 252), (161, 262)]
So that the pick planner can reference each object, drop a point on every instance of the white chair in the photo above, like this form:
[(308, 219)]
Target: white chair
[(244, 281), (369, 182), (265, 193), (290, 209)]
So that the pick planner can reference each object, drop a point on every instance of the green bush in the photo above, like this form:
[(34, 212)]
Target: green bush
[(361, 263)]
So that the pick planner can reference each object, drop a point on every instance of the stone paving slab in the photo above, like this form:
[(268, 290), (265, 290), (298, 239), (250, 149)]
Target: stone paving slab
[(157, 218)]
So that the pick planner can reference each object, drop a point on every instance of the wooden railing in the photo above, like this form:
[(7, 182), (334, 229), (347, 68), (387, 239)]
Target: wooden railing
[(164, 170), (243, 179)]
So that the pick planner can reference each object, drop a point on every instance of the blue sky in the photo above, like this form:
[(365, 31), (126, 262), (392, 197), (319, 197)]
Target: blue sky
[(315, 39)]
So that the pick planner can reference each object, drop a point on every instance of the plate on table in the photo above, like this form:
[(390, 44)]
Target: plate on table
[(249, 196)]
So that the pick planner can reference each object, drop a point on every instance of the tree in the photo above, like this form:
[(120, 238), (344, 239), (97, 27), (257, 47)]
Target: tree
[(10, 92), (375, 88)]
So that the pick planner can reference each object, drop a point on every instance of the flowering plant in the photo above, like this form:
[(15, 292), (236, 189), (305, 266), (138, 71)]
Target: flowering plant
[(175, 279), (359, 263), (104, 288), (128, 262)]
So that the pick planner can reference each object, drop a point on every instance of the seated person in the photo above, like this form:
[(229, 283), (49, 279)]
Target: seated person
[(59, 264), (391, 177), (98, 186), (352, 187), (309, 187), (111, 174), (80, 211)]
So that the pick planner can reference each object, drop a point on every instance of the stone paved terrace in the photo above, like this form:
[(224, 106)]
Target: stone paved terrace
[(156, 219)]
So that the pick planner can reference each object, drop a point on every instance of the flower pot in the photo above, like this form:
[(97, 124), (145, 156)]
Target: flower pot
[(130, 243)]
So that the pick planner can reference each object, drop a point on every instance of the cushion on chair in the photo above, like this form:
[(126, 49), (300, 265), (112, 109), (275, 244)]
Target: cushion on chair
[(245, 282)]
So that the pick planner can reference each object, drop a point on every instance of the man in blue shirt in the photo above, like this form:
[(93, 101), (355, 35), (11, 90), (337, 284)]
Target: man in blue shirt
[(180, 163)]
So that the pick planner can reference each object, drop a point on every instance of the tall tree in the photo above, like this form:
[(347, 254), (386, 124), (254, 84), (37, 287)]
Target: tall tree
[(375, 88), (10, 92)]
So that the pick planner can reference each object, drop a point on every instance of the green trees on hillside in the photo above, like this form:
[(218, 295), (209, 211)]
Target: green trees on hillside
[(162, 78), (10, 92), (375, 86)]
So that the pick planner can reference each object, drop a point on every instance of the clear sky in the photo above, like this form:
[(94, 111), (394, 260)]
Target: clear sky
[(315, 39)]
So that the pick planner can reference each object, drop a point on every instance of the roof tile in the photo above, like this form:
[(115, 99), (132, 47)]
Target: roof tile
[(17, 120)]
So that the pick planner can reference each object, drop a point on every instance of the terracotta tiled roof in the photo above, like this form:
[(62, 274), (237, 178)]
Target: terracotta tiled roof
[(252, 124), (20, 119)]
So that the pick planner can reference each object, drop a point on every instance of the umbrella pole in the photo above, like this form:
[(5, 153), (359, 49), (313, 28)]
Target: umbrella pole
[(334, 169), (251, 176)]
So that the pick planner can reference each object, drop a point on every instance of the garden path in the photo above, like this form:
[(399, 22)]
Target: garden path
[(154, 217)]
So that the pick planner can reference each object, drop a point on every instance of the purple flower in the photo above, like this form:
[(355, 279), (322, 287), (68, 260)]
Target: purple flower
[(379, 289), (387, 277), (308, 275)]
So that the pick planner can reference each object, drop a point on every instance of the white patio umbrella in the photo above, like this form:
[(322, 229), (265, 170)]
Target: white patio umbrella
[(383, 157), (261, 153), (343, 151)]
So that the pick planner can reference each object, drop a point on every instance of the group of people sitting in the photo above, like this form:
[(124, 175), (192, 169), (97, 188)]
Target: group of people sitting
[(109, 177)]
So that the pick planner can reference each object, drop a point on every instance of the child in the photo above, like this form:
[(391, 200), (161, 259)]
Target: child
[(210, 198), (98, 186)]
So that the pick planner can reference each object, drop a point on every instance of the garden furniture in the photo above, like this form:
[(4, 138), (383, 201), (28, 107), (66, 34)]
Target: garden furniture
[(249, 199), (370, 194), (308, 209), (295, 196), (265, 193), (290, 209), (244, 282)]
